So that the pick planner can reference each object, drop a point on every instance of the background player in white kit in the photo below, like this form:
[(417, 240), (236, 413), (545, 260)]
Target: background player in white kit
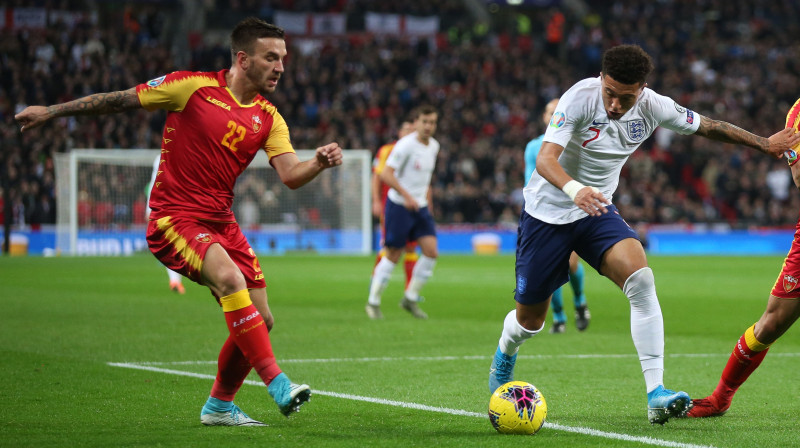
[(408, 173), (576, 271), (597, 124)]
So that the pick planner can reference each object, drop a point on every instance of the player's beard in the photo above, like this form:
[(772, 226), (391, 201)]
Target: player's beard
[(266, 88), (261, 84)]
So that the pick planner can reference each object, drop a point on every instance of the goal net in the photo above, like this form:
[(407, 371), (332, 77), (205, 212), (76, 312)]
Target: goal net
[(102, 204)]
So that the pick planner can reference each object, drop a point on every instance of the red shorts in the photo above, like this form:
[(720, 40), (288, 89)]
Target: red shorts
[(788, 284), (181, 242)]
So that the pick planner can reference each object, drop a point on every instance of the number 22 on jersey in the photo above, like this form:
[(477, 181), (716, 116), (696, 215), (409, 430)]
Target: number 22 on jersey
[(237, 134)]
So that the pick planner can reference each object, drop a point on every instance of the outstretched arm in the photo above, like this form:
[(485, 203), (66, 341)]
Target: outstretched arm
[(721, 131), (294, 173), (96, 104)]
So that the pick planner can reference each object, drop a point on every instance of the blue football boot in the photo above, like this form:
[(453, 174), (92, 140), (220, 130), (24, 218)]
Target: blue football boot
[(663, 404), (502, 370)]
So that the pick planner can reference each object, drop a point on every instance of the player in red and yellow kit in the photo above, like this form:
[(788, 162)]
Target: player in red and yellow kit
[(380, 191), (783, 309), (216, 124)]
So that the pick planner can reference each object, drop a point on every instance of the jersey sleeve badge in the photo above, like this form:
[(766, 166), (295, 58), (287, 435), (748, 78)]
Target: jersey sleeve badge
[(558, 120), (156, 82)]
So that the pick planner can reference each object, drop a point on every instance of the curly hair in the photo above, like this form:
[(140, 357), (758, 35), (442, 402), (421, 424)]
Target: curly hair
[(248, 31), (627, 64)]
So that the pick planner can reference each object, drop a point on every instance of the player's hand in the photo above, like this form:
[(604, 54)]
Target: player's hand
[(329, 155), (377, 209), (590, 200), (32, 117), (411, 204), (783, 141)]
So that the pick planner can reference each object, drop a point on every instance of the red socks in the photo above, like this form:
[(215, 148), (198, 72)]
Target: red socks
[(232, 369), (746, 357), (410, 262), (247, 343)]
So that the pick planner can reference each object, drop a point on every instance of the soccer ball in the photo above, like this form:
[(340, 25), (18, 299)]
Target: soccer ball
[(517, 407)]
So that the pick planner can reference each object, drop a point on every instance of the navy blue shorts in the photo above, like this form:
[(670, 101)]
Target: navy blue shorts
[(543, 250), (403, 225)]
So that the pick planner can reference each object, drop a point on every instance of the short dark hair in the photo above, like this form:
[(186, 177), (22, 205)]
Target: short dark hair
[(627, 64), (249, 30), (423, 110)]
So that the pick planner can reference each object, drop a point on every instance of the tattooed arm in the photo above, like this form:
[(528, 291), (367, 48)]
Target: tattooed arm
[(725, 132), (97, 104)]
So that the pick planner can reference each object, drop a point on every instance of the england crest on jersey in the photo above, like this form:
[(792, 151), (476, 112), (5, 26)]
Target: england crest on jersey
[(636, 131)]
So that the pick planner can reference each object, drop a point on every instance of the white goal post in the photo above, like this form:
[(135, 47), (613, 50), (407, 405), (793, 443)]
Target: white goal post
[(101, 204)]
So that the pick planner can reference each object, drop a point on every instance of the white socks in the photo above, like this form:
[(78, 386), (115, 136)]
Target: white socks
[(514, 334), (423, 270), (380, 278), (174, 276), (647, 325)]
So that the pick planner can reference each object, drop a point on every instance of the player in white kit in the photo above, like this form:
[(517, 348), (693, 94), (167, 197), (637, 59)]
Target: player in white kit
[(408, 172), (597, 125)]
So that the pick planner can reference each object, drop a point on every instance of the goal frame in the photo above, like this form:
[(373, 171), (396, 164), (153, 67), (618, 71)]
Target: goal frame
[(67, 207)]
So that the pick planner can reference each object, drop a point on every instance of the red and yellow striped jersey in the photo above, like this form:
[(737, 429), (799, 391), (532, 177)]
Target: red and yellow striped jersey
[(209, 139), (379, 163)]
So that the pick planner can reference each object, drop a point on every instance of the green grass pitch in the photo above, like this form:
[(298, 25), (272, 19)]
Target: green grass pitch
[(65, 321)]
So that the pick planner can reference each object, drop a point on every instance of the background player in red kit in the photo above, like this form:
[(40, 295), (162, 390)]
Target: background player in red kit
[(216, 123), (380, 192), (783, 309)]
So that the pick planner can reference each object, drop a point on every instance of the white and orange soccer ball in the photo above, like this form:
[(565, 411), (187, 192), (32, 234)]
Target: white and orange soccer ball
[(517, 407)]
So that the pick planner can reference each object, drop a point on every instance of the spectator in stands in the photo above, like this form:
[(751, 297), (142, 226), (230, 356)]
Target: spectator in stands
[(465, 74)]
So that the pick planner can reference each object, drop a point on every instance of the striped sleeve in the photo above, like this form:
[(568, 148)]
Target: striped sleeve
[(171, 92), (278, 141), (793, 117)]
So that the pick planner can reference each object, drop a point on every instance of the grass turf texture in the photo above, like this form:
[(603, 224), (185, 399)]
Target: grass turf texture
[(65, 319)]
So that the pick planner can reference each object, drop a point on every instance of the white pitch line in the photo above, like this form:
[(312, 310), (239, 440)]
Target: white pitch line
[(422, 407), (456, 358)]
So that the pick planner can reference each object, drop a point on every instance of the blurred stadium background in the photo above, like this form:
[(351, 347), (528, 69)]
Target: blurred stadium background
[(356, 67)]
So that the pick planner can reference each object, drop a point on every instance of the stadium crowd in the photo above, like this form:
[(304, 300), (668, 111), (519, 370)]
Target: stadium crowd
[(734, 60)]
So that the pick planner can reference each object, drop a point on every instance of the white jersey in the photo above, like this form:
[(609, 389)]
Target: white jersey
[(596, 147), (413, 164)]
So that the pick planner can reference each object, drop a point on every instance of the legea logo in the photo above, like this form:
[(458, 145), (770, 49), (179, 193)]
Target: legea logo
[(244, 320)]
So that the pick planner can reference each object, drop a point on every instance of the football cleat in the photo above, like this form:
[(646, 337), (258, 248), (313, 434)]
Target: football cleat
[(502, 370), (177, 287), (558, 327), (582, 317), (707, 407), (234, 417), (413, 308), (663, 404), (374, 312), (288, 396)]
